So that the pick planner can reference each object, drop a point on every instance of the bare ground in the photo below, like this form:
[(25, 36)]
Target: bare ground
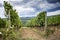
[(29, 33)]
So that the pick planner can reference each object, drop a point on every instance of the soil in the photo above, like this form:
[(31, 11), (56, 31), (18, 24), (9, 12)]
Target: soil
[(29, 33)]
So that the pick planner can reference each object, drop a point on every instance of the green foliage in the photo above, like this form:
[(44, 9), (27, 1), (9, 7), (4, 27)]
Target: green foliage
[(41, 18), (54, 20), (7, 7), (31, 23), (25, 19), (2, 23), (37, 21), (14, 18), (9, 33)]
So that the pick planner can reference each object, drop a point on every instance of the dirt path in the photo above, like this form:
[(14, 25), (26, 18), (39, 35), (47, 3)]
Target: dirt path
[(29, 33)]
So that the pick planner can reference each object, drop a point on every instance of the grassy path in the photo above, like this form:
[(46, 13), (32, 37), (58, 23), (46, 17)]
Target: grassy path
[(29, 34)]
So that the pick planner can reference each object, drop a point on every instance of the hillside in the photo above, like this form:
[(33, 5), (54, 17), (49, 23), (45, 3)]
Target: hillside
[(25, 19), (53, 20)]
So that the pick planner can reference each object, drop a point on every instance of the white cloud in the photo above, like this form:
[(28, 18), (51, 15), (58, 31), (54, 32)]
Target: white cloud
[(53, 13), (12, 0), (1, 1), (32, 3), (16, 0), (47, 6), (22, 9), (42, 5), (2, 12)]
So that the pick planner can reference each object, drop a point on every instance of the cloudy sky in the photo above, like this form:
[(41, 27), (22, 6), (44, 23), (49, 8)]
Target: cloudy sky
[(30, 8)]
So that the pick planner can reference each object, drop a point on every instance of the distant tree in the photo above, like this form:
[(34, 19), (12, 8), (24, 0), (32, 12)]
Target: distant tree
[(31, 23)]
